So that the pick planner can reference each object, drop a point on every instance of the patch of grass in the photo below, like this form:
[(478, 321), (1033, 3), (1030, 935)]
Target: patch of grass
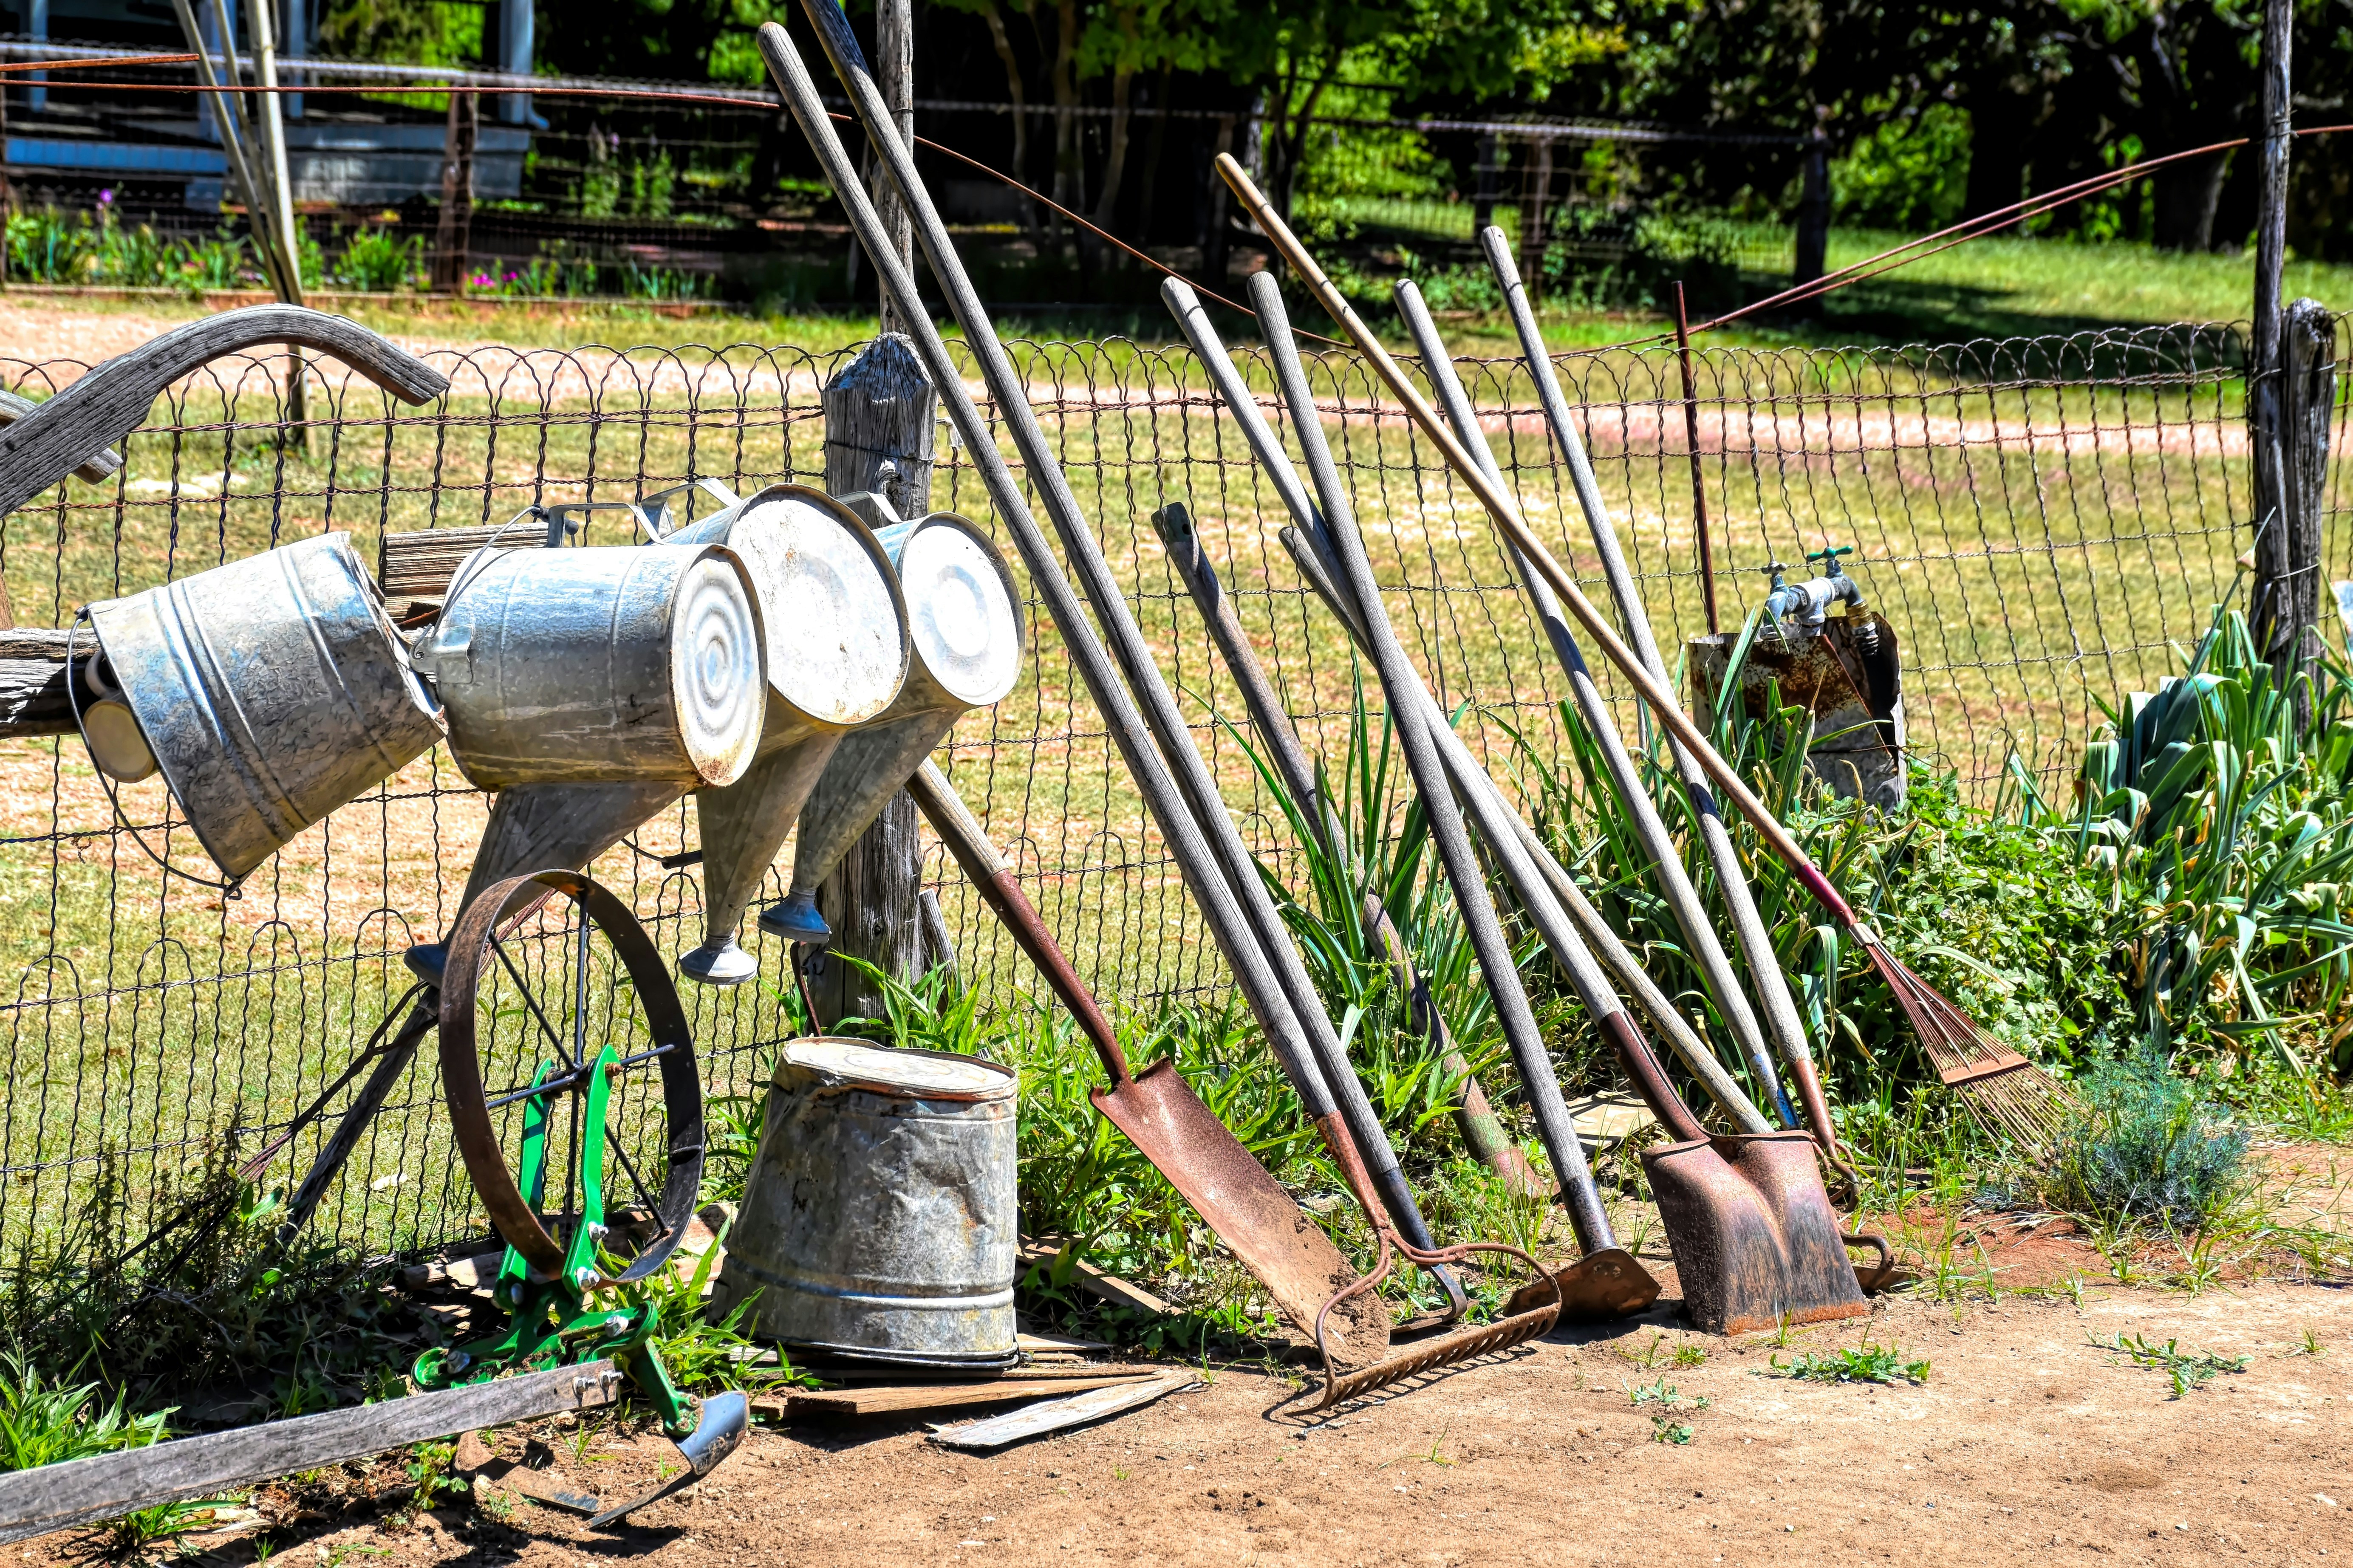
[(2188, 1369), (134, 1535), (1868, 1361), (47, 1421)]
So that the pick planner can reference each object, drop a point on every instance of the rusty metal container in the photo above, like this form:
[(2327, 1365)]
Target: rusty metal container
[(879, 1222), (964, 623), (838, 657), (269, 692), (608, 664)]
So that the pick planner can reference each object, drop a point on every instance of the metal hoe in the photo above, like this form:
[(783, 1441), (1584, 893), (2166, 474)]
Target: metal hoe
[(1217, 867), (1162, 1116)]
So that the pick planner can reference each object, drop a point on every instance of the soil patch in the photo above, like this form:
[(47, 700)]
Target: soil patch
[(2028, 1442)]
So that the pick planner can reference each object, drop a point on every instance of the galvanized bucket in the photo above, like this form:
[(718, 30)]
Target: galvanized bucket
[(964, 621), (608, 664), (878, 1220), (269, 692), (838, 656)]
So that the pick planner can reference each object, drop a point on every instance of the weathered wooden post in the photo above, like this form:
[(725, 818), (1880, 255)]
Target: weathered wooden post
[(453, 238), (2291, 384), (880, 416), (1813, 236)]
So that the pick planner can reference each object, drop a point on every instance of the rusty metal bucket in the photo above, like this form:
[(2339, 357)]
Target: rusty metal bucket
[(879, 1219), (837, 658), (964, 635), (269, 692), (606, 665)]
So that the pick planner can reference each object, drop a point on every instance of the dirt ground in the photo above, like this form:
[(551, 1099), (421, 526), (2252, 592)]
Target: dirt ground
[(2026, 1443)]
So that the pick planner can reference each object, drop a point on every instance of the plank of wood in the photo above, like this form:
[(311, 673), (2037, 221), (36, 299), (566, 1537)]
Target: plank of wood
[(928, 1397), (1055, 1415), (1102, 1287), (897, 1376), (53, 1497), (1043, 1342), (419, 564)]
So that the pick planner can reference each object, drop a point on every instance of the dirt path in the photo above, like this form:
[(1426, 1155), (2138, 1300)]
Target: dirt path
[(2025, 1444)]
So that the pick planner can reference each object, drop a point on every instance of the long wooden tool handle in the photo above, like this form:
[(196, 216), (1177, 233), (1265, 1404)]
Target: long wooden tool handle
[(993, 880), (1506, 514)]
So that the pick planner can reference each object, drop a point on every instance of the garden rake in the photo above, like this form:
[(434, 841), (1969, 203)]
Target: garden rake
[(2002, 1087)]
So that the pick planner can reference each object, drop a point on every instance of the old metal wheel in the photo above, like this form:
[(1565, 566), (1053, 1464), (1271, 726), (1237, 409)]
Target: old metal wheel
[(547, 975)]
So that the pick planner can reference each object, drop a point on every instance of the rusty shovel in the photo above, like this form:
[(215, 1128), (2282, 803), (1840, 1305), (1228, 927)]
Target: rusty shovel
[(1167, 1123), (1750, 1226)]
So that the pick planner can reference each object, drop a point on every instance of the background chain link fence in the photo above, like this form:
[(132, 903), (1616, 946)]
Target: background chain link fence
[(2040, 520)]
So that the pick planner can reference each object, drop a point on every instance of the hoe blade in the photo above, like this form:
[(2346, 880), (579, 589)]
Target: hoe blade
[(1251, 1213), (1605, 1284), (1755, 1239)]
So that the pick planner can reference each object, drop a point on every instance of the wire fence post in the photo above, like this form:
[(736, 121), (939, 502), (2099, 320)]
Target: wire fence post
[(894, 42), (880, 421), (1536, 188), (2285, 601), (453, 239)]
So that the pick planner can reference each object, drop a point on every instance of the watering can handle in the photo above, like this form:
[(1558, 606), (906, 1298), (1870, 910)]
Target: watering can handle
[(107, 404)]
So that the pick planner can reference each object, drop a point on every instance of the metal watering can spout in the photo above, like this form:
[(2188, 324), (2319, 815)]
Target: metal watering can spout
[(965, 627), (837, 642)]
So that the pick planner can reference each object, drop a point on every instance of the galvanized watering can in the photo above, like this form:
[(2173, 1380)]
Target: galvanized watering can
[(615, 663), (268, 692), (838, 657), (880, 1219), (964, 617)]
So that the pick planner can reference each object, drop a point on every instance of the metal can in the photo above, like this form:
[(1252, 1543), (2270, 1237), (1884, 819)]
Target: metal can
[(603, 665), (880, 1219), (269, 691)]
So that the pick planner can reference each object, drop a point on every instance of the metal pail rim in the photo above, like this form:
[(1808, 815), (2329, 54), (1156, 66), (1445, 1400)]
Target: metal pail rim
[(836, 1061)]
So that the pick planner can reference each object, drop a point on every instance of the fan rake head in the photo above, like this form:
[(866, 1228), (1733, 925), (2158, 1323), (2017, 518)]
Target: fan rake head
[(2007, 1094)]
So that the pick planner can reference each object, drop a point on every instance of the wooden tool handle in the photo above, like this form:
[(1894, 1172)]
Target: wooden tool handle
[(993, 880), (1506, 514)]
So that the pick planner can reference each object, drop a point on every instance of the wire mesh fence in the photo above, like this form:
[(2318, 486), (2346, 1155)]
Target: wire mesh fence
[(2036, 517)]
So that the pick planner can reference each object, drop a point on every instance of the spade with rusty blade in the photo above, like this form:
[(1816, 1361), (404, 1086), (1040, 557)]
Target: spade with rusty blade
[(1163, 1117)]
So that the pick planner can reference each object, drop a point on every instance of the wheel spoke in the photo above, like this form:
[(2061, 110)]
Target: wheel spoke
[(613, 1142), (532, 1002)]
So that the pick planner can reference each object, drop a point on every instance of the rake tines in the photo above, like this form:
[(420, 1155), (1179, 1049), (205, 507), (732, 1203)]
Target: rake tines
[(2006, 1093)]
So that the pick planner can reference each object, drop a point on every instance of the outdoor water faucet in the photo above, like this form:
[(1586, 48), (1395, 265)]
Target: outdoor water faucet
[(1802, 608)]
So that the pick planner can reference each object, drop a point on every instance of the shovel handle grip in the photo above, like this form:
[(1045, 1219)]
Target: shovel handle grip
[(993, 880)]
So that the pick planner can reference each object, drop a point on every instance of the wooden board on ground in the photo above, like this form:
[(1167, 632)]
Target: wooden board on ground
[(1055, 1415), (37, 1501), (898, 1399)]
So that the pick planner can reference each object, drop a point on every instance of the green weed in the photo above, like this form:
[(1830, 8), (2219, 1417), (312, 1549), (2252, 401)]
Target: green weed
[(2188, 1369), (45, 1421), (2151, 1145), (1867, 1363)]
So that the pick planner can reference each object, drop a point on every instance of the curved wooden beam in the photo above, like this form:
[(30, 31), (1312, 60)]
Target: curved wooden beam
[(107, 404)]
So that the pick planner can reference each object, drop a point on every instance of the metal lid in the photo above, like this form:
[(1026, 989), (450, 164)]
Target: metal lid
[(919, 1075)]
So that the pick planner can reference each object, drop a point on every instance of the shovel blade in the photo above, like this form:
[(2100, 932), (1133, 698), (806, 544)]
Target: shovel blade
[(1755, 1239), (1251, 1213)]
